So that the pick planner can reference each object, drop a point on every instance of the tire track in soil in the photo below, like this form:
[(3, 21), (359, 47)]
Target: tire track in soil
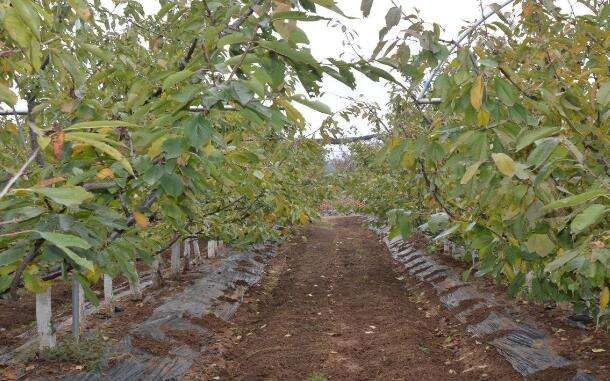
[(334, 304)]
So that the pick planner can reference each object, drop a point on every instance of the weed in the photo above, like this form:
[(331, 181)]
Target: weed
[(317, 377), (89, 352)]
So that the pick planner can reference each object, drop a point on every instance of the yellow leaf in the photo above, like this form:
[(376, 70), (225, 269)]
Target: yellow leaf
[(505, 164), (141, 219), (408, 160), (303, 218), (105, 173), (12, 128), (476, 93), (157, 146), (67, 107), (483, 117), (470, 172), (604, 297), (597, 350)]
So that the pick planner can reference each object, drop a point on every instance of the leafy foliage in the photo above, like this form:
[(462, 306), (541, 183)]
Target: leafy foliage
[(150, 127), (515, 157)]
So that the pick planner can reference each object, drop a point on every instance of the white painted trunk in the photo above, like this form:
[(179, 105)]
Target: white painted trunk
[(156, 276), (186, 245), (78, 307), (211, 249), (108, 295), (46, 336), (135, 288), (175, 259), (196, 249)]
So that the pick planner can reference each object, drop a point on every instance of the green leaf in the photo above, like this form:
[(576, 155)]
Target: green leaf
[(574, 200), (100, 124), (505, 164), (286, 50), (175, 78), (315, 105), (230, 39), (296, 15), (489, 62), (587, 217), (447, 232), (529, 137), (540, 244), (516, 284), (365, 7), (603, 93), (5, 282), (92, 140), (172, 184), (68, 196), (12, 255), (561, 260), (16, 28), (33, 283), (541, 153), (28, 15), (392, 18), (505, 92), (63, 241), (7, 96)]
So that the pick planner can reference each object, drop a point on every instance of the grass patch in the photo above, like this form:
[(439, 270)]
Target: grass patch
[(317, 377), (89, 352)]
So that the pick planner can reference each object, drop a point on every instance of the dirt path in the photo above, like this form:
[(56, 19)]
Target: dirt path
[(335, 306)]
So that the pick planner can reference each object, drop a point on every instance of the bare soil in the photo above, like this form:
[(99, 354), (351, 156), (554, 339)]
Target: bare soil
[(588, 347), (334, 305)]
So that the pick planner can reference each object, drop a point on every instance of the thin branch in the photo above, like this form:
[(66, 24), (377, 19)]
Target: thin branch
[(19, 173), (26, 261)]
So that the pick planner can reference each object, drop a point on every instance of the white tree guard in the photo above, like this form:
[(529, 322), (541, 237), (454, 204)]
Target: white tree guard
[(78, 307), (135, 288), (108, 295), (44, 325), (212, 247), (156, 276), (197, 250), (186, 252), (175, 259)]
